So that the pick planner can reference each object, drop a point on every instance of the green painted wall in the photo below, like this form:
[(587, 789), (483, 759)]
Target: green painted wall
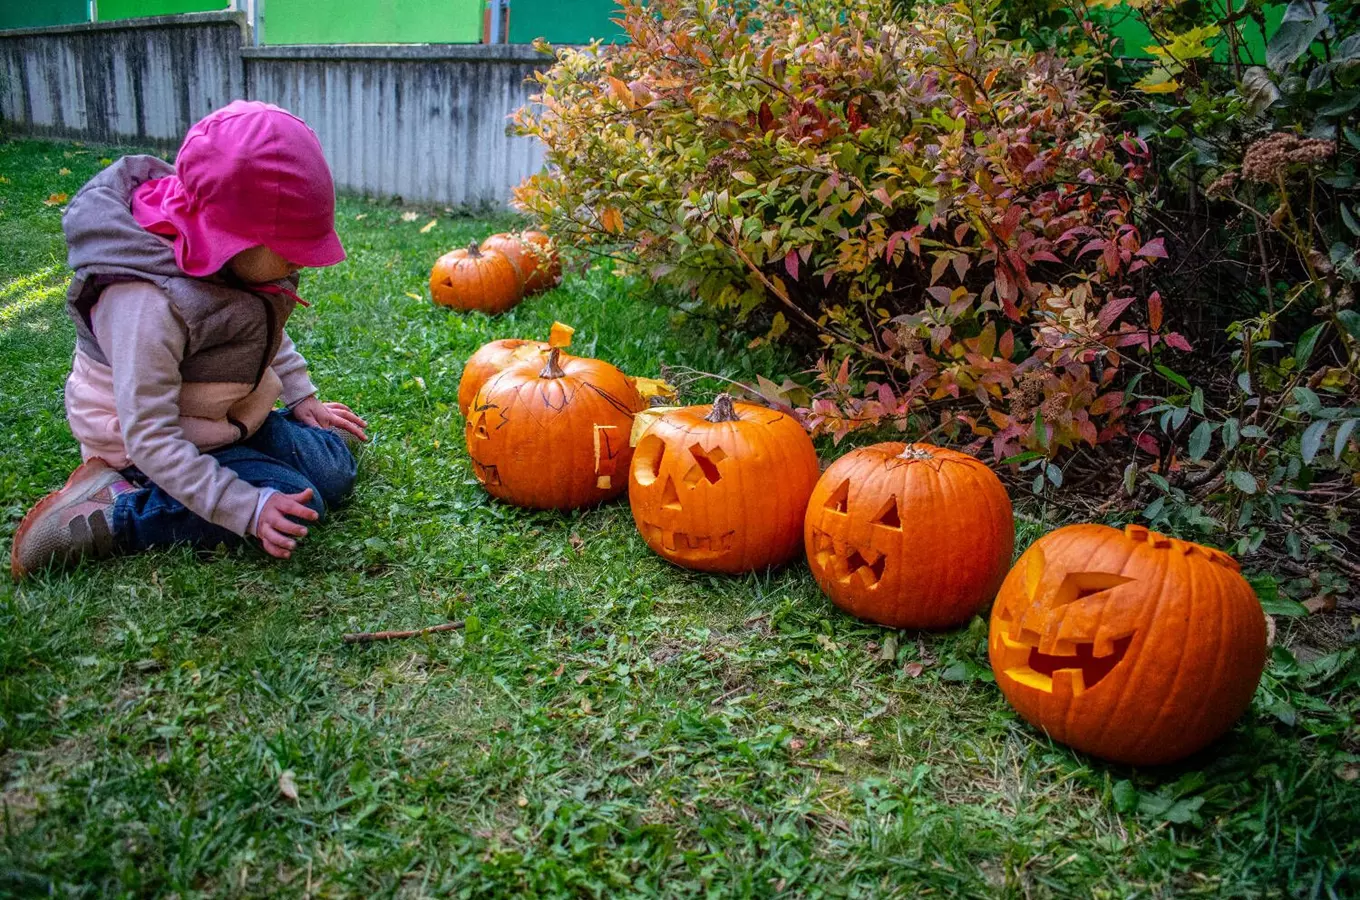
[(110, 10), (41, 13), (372, 21), (563, 21)]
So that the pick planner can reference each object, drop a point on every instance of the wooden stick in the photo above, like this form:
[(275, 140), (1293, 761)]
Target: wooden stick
[(368, 637)]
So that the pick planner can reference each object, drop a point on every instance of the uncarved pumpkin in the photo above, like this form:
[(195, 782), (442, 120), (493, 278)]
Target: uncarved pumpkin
[(471, 279), (1127, 645), (534, 255), (909, 535), (723, 488), (553, 435), (490, 359)]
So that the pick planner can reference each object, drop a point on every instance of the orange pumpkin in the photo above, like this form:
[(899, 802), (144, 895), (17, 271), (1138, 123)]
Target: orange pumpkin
[(554, 435), (1127, 645), (723, 488), (490, 359), (909, 535), (471, 279), (534, 255)]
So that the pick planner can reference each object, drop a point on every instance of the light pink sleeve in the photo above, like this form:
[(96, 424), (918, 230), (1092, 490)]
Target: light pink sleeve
[(291, 368), (144, 341)]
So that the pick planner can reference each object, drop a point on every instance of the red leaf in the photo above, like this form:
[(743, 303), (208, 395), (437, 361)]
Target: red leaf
[(1007, 344), (1155, 311), (766, 117), (1148, 444), (1112, 310), (1177, 340), (791, 264), (1155, 248)]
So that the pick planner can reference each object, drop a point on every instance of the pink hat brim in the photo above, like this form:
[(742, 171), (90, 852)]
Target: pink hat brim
[(202, 246)]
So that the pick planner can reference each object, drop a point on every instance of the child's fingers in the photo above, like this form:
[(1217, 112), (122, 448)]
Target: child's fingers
[(272, 544), (344, 412), (351, 427), (274, 535), (285, 525), (292, 505)]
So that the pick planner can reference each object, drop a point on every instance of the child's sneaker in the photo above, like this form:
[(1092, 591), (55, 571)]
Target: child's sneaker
[(70, 523)]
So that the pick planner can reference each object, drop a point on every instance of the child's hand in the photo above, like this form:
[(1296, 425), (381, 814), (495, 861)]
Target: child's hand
[(330, 415), (274, 526)]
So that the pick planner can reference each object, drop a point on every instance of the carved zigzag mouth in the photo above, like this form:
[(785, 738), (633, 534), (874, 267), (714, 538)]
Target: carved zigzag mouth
[(1078, 665), (689, 546), (865, 564)]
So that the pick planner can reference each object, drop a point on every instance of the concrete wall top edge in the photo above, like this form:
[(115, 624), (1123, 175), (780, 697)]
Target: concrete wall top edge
[(227, 17)]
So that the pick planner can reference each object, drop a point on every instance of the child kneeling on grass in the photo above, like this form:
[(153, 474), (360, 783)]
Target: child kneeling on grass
[(184, 279)]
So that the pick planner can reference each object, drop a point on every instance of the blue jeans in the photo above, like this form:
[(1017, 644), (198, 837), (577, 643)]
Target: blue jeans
[(283, 454)]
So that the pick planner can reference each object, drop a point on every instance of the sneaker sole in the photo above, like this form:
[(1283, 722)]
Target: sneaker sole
[(17, 571)]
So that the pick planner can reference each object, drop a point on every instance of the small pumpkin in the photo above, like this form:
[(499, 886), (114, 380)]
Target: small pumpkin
[(553, 435), (534, 255), (1127, 645), (723, 488), (909, 535), (491, 358), (473, 279)]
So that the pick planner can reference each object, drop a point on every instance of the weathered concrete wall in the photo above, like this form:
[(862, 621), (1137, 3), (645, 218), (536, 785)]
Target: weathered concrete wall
[(426, 122), (144, 82), (423, 122)]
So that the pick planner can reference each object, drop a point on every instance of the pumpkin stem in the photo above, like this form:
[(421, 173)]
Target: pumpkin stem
[(553, 369), (915, 451), (723, 411), (474, 250)]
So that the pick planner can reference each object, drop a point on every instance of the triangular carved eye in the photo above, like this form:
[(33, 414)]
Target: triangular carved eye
[(890, 517), (670, 497), (1080, 585), (839, 501)]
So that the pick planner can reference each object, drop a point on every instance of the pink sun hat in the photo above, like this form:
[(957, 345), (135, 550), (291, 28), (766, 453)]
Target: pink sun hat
[(248, 174)]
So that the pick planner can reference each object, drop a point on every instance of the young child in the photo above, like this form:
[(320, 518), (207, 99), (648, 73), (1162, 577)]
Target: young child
[(184, 280)]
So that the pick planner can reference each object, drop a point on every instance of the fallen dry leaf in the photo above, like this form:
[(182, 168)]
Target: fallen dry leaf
[(428, 226), (361, 217), (561, 667), (582, 676), (577, 542), (797, 744), (521, 801), (414, 296), (1320, 603), (63, 171), (1348, 771), (287, 785), (913, 669), (4, 180), (56, 200), (409, 217)]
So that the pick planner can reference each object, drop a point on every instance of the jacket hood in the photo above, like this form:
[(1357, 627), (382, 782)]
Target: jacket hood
[(101, 232)]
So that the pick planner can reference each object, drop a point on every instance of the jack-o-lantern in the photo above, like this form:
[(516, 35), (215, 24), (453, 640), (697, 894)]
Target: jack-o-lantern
[(470, 279), (554, 435), (1128, 645), (723, 488), (909, 535), (534, 255)]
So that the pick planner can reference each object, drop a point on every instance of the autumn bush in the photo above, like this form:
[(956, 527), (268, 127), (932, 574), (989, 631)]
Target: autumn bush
[(949, 214)]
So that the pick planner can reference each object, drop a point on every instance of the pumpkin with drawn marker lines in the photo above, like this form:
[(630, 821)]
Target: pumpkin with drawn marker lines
[(723, 488), (534, 256), (909, 535), (554, 434), (1127, 645)]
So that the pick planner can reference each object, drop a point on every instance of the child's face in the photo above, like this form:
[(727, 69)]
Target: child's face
[(260, 264)]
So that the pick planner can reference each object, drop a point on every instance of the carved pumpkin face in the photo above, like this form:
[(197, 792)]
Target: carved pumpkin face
[(553, 436), (1127, 645), (470, 279), (909, 535), (723, 488)]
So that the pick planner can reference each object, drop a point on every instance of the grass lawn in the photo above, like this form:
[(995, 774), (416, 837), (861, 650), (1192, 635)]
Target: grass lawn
[(607, 724)]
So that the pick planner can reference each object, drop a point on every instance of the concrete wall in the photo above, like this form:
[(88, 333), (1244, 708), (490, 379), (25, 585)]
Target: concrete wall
[(426, 123), (143, 84), (423, 122)]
